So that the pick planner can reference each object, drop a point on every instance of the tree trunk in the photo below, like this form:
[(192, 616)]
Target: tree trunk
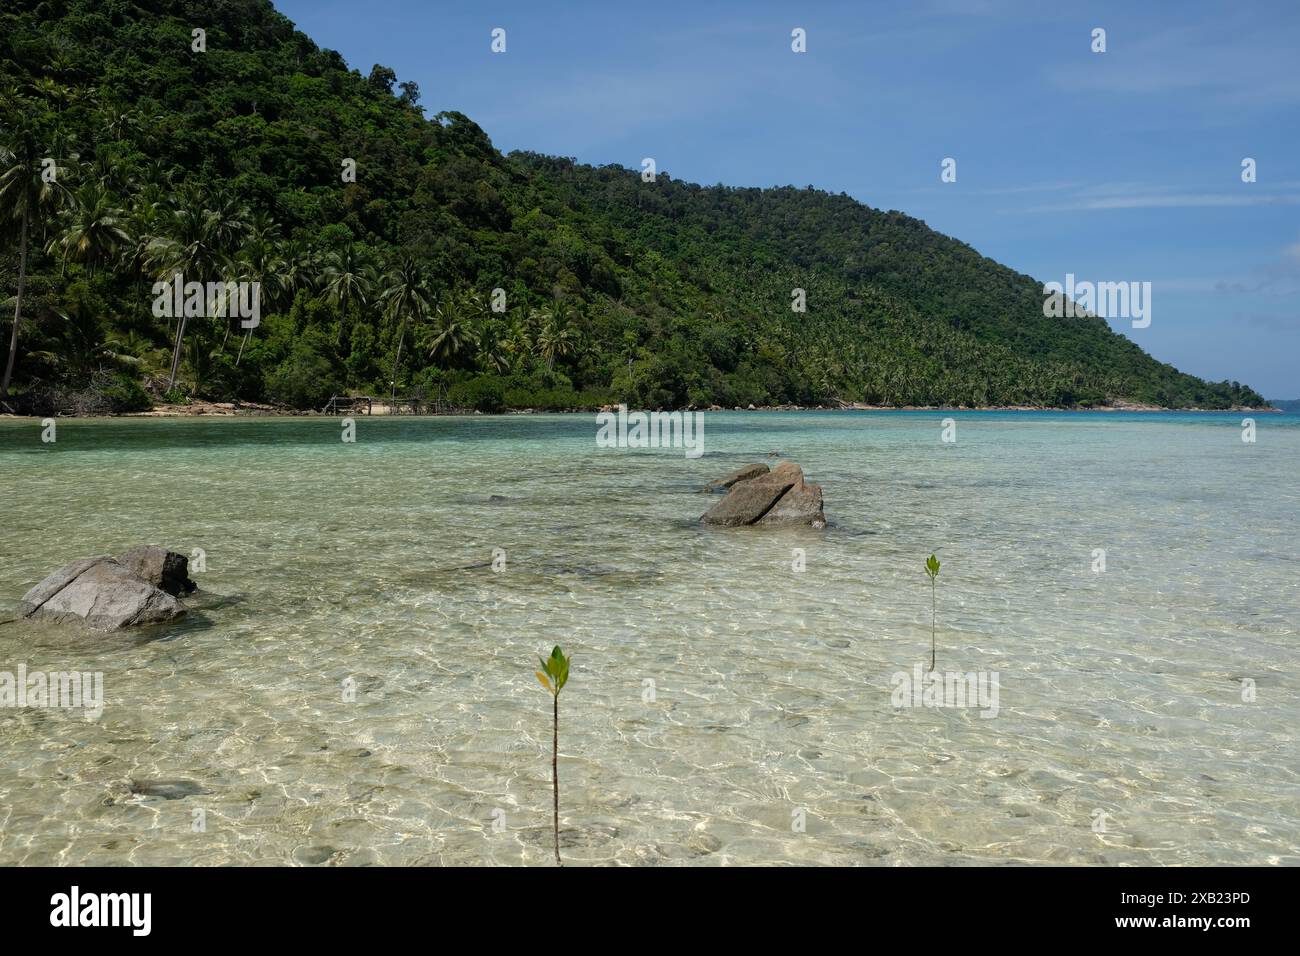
[(18, 310), (176, 352), (555, 774), (247, 335), (397, 364)]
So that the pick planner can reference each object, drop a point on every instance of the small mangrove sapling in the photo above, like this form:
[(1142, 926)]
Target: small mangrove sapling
[(932, 569), (553, 676)]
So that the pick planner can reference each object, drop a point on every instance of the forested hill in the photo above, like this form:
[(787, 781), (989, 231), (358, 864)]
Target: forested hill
[(228, 163)]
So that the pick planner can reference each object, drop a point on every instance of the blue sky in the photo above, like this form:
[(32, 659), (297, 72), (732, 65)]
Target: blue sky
[(1123, 165)]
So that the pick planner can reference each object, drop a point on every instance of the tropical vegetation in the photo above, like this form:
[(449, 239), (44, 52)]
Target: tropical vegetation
[(446, 269)]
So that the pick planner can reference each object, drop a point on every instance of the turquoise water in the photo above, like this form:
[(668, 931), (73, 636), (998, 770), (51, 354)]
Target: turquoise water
[(771, 736)]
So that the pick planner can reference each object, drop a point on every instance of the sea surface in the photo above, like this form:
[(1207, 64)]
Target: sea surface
[(354, 683)]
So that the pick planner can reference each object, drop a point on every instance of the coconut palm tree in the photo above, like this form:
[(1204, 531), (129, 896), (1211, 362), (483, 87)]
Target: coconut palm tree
[(557, 339), (347, 280), (109, 170), (300, 267), (453, 338), (260, 261), (518, 344), (120, 122), (492, 353), (96, 229), (53, 92), (157, 172), (262, 227), (31, 192), (192, 246), (233, 220), (406, 300), (133, 350), (144, 224), (81, 348), (234, 224)]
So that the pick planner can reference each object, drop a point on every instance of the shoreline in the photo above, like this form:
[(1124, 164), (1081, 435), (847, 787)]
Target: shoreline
[(232, 410)]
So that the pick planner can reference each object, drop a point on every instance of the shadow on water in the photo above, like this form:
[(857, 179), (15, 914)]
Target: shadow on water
[(197, 619)]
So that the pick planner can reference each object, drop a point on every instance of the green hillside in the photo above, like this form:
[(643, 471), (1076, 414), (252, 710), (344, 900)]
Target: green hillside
[(226, 165)]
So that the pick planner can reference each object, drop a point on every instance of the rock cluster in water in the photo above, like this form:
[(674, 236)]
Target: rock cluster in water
[(759, 496), (108, 594)]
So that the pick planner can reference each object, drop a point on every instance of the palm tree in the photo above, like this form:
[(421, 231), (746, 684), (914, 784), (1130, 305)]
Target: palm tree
[(133, 350), (31, 192), (405, 298), (300, 268), (144, 225), (262, 227), (452, 339), (96, 231), (557, 339), (156, 172), (233, 223), (493, 355), (347, 280), (120, 122), (192, 246), (260, 261), (233, 220), (518, 344), (53, 92), (109, 170), (81, 348)]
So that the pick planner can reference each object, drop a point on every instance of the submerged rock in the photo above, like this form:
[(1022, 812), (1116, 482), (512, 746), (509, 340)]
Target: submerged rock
[(168, 789), (315, 855), (759, 496), (102, 593)]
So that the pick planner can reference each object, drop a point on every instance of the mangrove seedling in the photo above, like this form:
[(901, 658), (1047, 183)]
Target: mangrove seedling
[(932, 569), (554, 675)]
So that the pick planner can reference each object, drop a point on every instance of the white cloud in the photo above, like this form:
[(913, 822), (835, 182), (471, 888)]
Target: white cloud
[(1244, 70), (1169, 201)]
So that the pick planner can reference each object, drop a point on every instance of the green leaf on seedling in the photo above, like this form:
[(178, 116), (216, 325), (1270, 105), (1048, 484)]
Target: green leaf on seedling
[(561, 672), (932, 566), (556, 667)]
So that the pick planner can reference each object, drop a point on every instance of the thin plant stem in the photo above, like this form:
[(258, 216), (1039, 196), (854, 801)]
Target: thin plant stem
[(932, 619), (555, 774)]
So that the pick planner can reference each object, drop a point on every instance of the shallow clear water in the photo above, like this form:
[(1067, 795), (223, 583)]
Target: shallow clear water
[(1120, 691)]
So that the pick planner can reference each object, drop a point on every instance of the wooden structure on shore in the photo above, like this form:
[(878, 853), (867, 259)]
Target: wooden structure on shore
[(349, 405), (416, 404)]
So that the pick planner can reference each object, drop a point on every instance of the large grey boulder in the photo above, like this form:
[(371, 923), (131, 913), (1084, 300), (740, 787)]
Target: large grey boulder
[(740, 474), (101, 593), (162, 568), (779, 496), (802, 504), (56, 582)]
